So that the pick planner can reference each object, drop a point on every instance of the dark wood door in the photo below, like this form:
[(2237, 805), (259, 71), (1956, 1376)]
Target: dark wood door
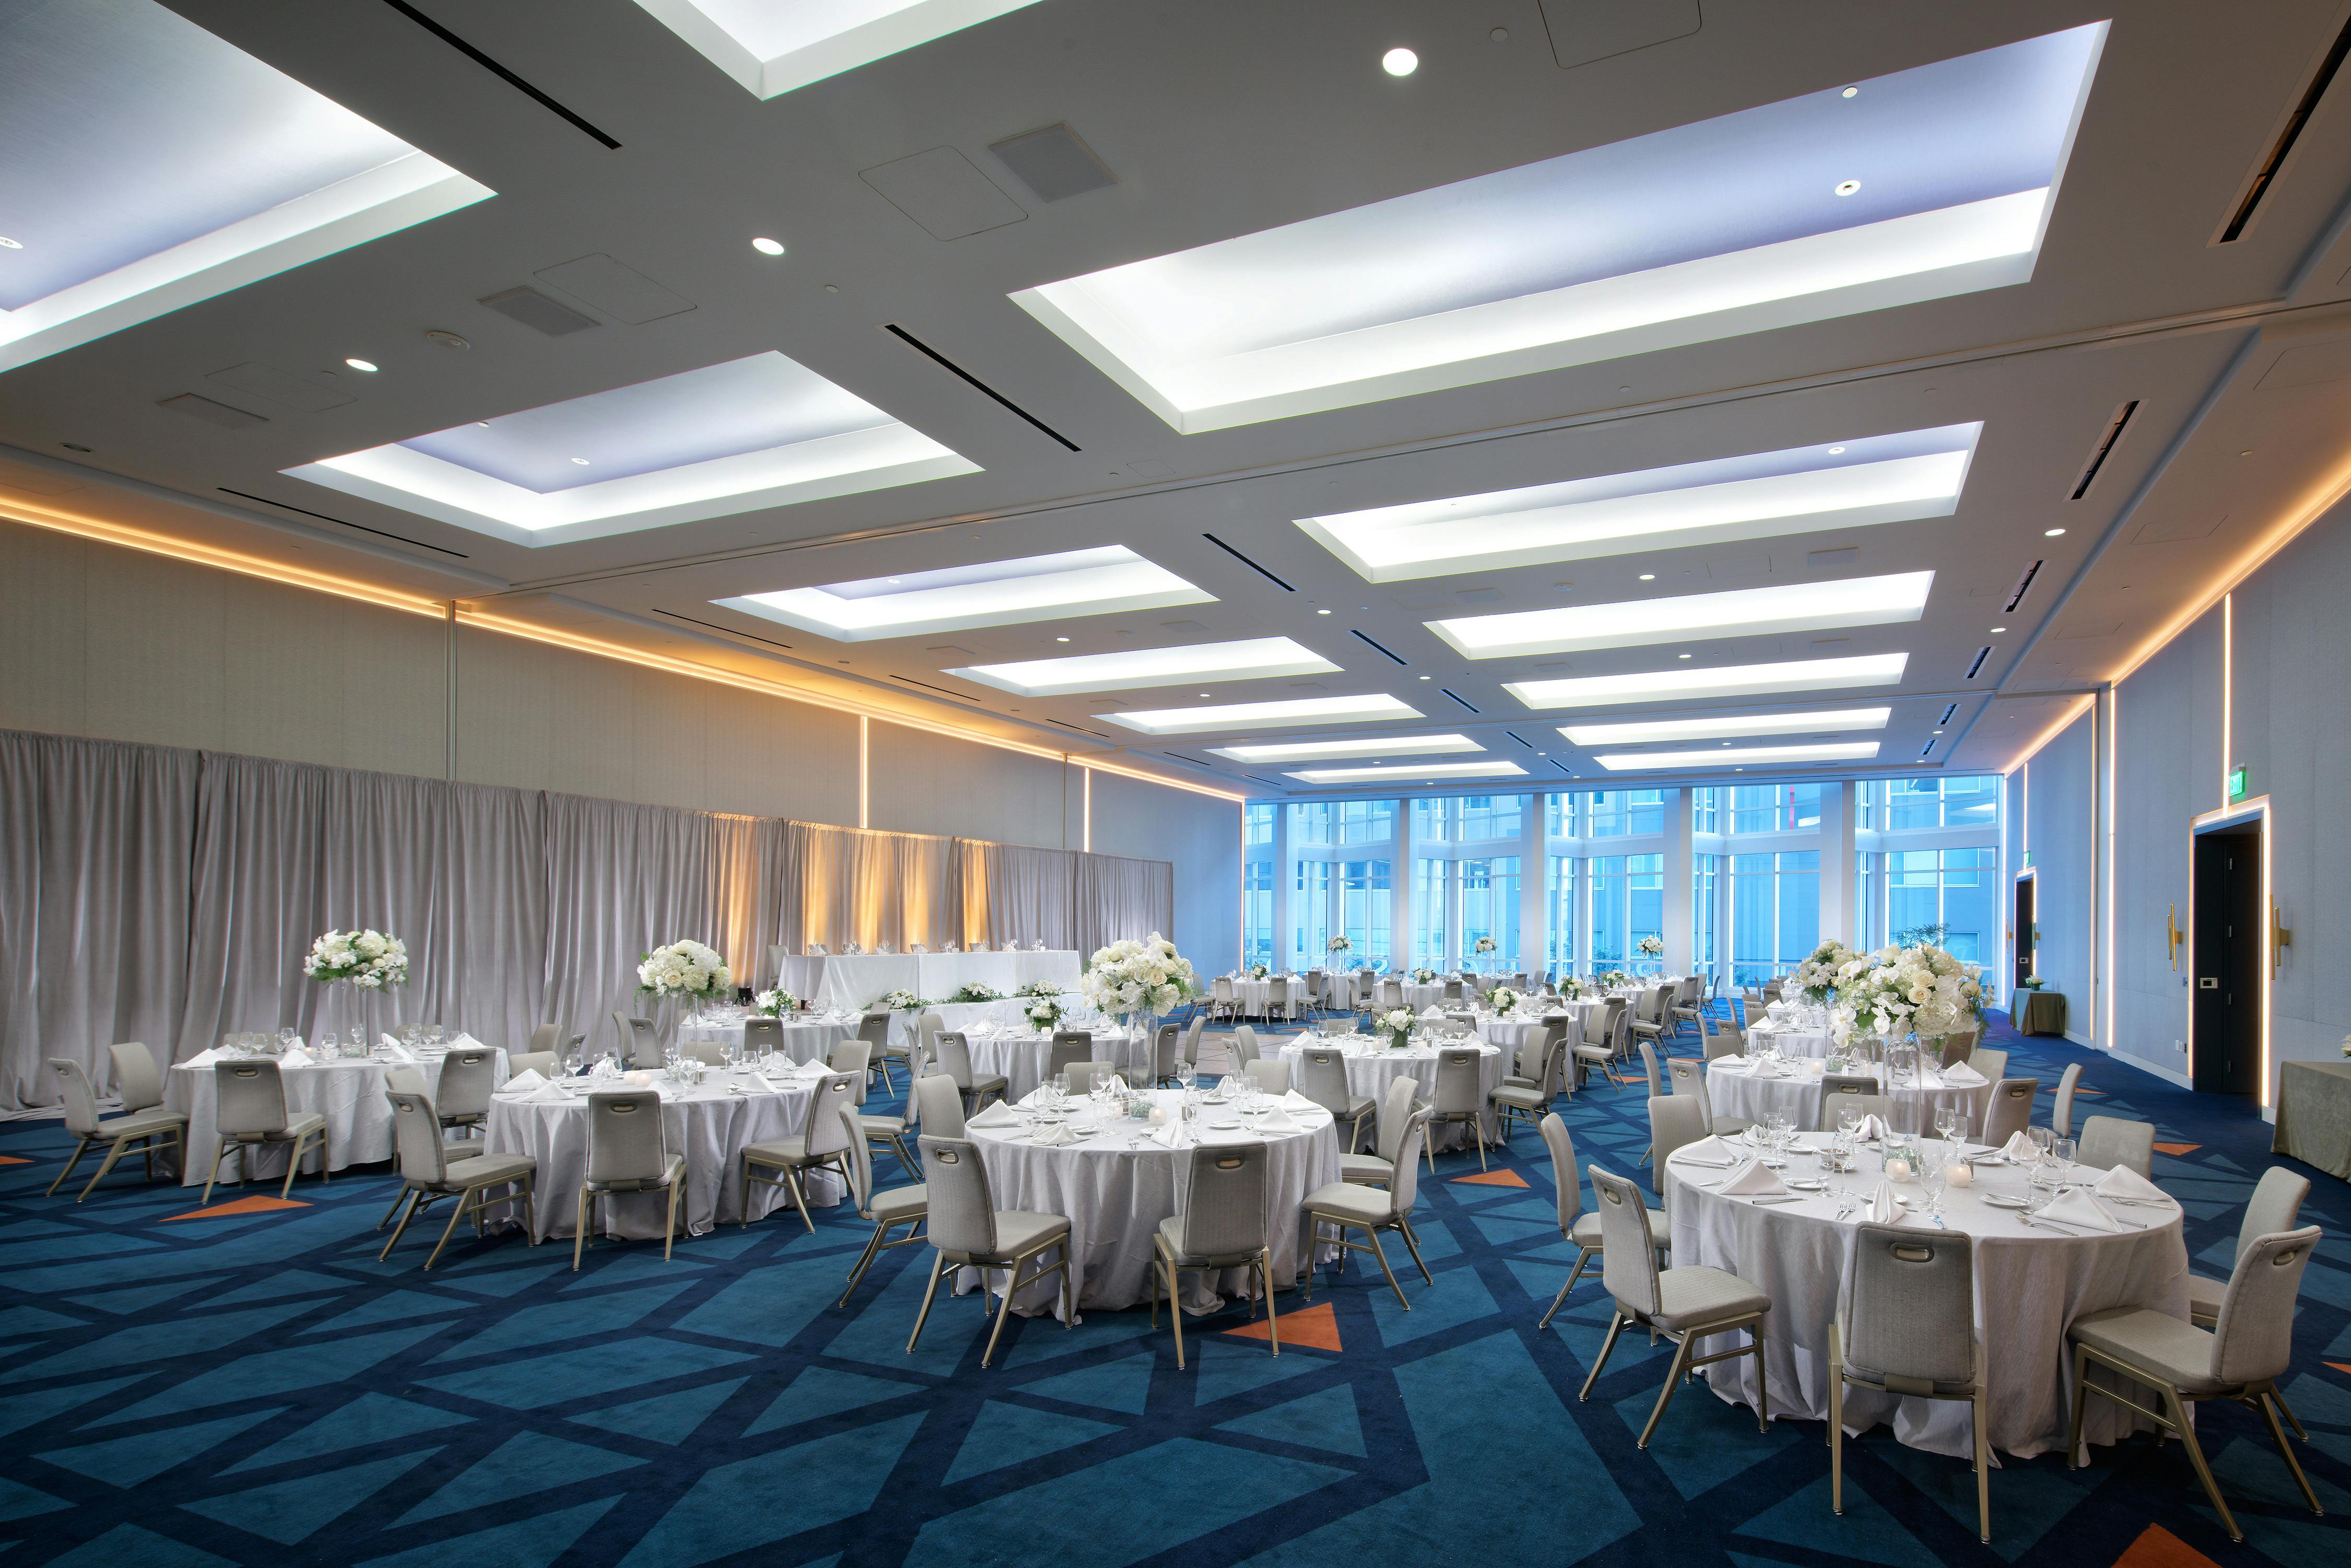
[(2023, 946), (2227, 976)]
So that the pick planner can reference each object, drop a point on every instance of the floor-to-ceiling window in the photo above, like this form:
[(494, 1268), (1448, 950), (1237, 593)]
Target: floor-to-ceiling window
[(1490, 907), (1625, 814), (1257, 885), (1775, 808), (1365, 904), (1559, 906), (1706, 876), (1945, 897), (1775, 912), (1310, 914), (1431, 886), (1629, 903)]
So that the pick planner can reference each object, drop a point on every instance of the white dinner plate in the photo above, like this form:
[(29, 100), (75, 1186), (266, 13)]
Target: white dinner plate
[(2005, 1201), (1224, 1126)]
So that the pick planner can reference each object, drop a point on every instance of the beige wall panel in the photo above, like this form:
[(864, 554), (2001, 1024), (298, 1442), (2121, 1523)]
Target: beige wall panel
[(925, 783), (670, 716), (154, 649), (770, 757), (43, 612)]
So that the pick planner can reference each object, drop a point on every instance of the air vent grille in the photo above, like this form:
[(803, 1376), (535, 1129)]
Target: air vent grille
[(910, 681), (2023, 587), (487, 64), (1457, 696), (1982, 655), (362, 527), (973, 381), (2291, 133), (1257, 569), (1372, 642), (536, 311), (1947, 713), (1081, 730), (2106, 439)]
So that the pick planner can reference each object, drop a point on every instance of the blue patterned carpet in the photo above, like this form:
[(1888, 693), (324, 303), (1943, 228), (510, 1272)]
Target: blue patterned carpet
[(255, 1388)]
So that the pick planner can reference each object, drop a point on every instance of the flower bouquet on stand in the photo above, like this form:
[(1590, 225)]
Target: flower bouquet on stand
[(1138, 979), (977, 991), (778, 1003), (1043, 1014), (690, 973), (1484, 948), (1337, 945), (1503, 1000), (1650, 946), (1614, 979), (354, 966), (1816, 977), (1424, 975), (1260, 971), (1898, 992)]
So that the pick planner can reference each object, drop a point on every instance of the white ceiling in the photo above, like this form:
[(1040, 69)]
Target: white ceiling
[(1220, 121)]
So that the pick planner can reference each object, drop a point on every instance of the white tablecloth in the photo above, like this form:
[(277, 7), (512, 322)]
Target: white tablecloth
[(1794, 1042), (1115, 1195), (1742, 1093), (709, 1124), (1252, 994), (2030, 1285), (1021, 1058), (805, 1039), (853, 981), (348, 1092), (1372, 1066)]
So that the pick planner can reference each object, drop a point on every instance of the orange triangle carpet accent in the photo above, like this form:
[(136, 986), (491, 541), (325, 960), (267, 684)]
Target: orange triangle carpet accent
[(2159, 1548), (1315, 1327), (2179, 1148), (12, 1160), (2085, 1088), (1492, 1178), (2343, 1367), (238, 1205)]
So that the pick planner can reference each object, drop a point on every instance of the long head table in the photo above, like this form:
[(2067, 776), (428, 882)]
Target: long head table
[(853, 981)]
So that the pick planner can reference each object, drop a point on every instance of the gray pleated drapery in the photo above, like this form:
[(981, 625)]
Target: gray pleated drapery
[(165, 895)]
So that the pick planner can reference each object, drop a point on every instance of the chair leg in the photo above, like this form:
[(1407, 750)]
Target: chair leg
[(1616, 1327), (530, 1208), (2081, 1392), (450, 1229), (81, 1149), (2278, 1396), (294, 1167), (397, 1199), (1381, 1253), (2187, 1434), (112, 1155), (938, 1260), (1665, 1395), (220, 1148), (1836, 1426), (1984, 1466), (799, 1197), (1003, 1311), (1762, 1379), (579, 1229), (1412, 1242), (1175, 1307), (2263, 1402), (864, 1261), (1265, 1279), (408, 1195), (669, 1230)]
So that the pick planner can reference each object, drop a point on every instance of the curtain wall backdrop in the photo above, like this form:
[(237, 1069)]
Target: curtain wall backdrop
[(168, 896)]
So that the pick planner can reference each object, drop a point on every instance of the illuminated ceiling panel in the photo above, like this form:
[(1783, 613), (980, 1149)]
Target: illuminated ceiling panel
[(1720, 681), (151, 165), (1922, 184), (1361, 746), (1099, 581), (1262, 715), (1253, 659), (1695, 617), (1408, 773), (1659, 731), (1736, 757), (774, 46), (1766, 495)]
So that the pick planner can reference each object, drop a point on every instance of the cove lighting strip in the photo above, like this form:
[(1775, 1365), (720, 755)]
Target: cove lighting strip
[(1768, 495), (1720, 681), (1737, 757), (1755, 724), (1739, 612)]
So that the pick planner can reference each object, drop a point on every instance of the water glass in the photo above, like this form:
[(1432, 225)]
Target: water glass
[(2061, 1154), (432, 1035)]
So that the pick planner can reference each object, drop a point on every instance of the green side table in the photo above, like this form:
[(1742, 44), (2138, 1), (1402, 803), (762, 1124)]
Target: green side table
[(2040, 1012)]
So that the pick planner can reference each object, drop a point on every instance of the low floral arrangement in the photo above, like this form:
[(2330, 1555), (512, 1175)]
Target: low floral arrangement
[(1503, 1000), (1044, 1014), (777, 1003), (1575, 987), (1902, 990), (1484, 946), (684, 969), (1147, 977), (977, 991), (1038, 989), (1423, 977), (2034, 982), (1397, 1025), (1650, 946), (1614, 978), (899, 1002), (1338, 944), (2347, 1045), (1816, 977), (1260, 971), (367, 959)]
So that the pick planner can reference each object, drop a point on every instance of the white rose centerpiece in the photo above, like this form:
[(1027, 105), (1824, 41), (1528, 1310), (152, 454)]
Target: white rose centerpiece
[(1650, 946), (1816, 977), (1338, 944), (1484, 946), (1397, 1023), (684, 969), (777, 1003), (1146, 976), (900, 1001), (1503, 1000), (977, 991), (1905, 990), (369, 960), (1043, 1013)]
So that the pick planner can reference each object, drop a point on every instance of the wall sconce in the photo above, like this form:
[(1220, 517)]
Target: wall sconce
[(2173, 935), (2280, 938)]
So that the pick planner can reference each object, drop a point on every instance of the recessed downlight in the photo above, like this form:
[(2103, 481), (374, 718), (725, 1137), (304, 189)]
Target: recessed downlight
[(1648, 577), (766, 246), (1998, 629), (1847, 187), (582, 461), (1399, 62), (2053, 533), (7, 243), (1850, 92), (362, 365)]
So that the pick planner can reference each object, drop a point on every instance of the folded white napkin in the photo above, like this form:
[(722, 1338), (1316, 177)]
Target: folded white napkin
[(547, 1094), (295, 1056), (2079, 1207), (1758, 1180), (1708, 1150), (1291, 1100), (204, 1058), (465, 1042), (1275, 1121), (2123, 1182), (1432, 1014), (1054, 1133), (1883, 1210), (1871, 1126), (766, 1085), (998, 1114), (1960, 1075), (812, 1069), (2019, 1147), (528, 1078), (400, 1052), (1734, 1063)]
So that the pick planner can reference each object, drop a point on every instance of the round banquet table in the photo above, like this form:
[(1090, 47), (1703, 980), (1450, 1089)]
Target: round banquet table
[(1794, 1042), (347, 1091), (807, 1037), (1372, 1066), (1253, 994), (1746, 1090), (709, 1124), (1117, 1184), (2030, 1284), (964, 1017), (1021, 1058)]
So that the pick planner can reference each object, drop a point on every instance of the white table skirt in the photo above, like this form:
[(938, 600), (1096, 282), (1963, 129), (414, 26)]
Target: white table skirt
[(1371, 1068), (805, 1038), (854, 981), (709, 1124), (1252, 994), (347, 1091), (967, 1019), (1021, 1058), (1115, 1196), (1737, 1092), (2030, 1285), (1795, 1041)]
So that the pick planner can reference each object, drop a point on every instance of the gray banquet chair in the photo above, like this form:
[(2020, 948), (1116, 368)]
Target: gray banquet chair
[(823, 1146), (955, 1060), (1527, 1095), (249, 1110), (1396, 1111), (2110, 1140), (890, 1132), (873, 1030), (1843, 1090), (146, 1130), (1460, 1098), (1223, 1226), (462, 1097), (1905, 1325), (2275, 1205), (1270, 1075), (627, 1151), (762, 1036), (1243, 1047), (547, 1037), (709, 1052), (1371, 1211), (1577, 1223), (2061, 1108), (1685, 1304), (2012, 1109), (1321, 1075), (543, 1063), (2241, 1358), (938, 1106), (968, 1231), (1675, 1121), (1166, 1052), (1084, 1075), (640, 1047), (886, 1208), (1068, 1046), (428, 1176), (853, 1058)]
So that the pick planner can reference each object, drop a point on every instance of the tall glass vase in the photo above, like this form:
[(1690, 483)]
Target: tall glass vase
[(344, 1013)]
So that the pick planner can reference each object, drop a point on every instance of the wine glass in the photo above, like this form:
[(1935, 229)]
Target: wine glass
[(1848, 1122), (2061, 1154), (1931, 1176), (432, 1036)]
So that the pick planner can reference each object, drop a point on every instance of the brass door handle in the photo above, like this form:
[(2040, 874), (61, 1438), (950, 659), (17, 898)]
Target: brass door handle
[(2173, 935)]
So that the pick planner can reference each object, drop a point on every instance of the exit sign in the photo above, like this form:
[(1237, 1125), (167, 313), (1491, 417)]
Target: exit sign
[(2236, 783)]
